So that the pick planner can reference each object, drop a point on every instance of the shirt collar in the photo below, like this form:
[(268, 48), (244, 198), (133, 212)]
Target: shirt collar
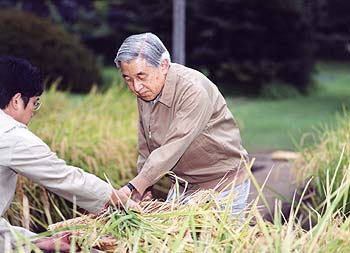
[(168, 92), (156, 99), (8, 123)]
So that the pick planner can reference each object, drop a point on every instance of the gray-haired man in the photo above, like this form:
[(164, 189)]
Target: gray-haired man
[(184, 124)]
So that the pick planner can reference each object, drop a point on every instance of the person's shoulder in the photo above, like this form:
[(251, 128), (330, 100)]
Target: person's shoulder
[(20, 140), (187, 73), (191, 79), (22, 135)]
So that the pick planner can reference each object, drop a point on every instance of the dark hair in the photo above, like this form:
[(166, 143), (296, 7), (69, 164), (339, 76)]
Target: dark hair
[(18, 76)]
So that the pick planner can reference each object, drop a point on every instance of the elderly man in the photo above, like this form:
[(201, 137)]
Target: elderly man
[(184, 126), (23, 153)]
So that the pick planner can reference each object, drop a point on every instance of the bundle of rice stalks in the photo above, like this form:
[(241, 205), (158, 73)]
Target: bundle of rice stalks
[(90, 225), (158, 226)]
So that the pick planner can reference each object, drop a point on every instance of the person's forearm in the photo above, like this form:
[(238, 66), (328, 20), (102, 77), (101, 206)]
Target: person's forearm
[(32, 158)]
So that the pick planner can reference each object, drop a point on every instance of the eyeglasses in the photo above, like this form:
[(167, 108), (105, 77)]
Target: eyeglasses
[(37, 105)]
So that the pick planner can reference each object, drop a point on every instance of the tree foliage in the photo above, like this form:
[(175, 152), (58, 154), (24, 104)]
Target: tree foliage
[(243, 45), (331, 22)]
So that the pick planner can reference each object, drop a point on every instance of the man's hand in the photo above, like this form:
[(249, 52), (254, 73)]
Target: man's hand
[(58, 242), (147, 196), (122, 197)]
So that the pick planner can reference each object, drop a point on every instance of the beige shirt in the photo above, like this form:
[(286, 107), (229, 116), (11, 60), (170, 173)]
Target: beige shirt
[(189, 130), (22, 152)]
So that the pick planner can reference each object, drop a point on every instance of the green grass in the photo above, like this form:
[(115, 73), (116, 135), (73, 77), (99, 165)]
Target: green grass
[(272, 124)]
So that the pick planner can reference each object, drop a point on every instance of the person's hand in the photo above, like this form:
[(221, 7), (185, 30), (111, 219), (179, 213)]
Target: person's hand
[(56, 242), (147, 196), (122, 197)]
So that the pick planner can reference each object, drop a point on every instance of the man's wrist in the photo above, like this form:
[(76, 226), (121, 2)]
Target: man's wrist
[(130, 186)]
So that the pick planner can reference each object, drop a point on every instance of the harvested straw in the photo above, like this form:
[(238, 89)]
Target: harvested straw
[(84, 224), (157, 226)]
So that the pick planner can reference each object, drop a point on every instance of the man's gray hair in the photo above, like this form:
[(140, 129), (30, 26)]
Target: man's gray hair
[(145, 45)]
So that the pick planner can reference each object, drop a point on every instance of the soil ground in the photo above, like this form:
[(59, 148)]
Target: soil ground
[(280, 182)]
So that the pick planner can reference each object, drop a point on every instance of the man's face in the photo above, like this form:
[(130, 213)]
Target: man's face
[(24, 114), (143, 79)]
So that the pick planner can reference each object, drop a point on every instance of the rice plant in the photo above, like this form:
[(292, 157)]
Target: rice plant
[(202, 226), (327, 162)]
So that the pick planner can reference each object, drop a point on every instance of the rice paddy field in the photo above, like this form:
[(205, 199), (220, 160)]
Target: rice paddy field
[(97, 132)]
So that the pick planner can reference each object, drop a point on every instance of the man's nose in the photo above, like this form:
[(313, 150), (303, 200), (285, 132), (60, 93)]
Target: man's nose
[(138, 86)]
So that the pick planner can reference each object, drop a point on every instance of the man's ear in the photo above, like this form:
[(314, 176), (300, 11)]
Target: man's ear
[(164, 66), (15, 101)]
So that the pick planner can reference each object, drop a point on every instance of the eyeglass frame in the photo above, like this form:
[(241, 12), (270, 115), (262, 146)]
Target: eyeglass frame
[(36, 105)]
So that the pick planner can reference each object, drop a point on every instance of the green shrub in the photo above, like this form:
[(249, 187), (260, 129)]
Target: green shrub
[(57, 53), (278, 90)]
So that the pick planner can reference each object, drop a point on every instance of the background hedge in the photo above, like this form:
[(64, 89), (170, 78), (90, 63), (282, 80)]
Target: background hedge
[(57, 53)]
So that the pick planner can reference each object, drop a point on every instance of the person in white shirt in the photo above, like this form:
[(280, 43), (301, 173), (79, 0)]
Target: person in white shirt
[(23, 153)]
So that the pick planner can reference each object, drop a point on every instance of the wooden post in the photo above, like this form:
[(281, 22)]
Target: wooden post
[(179, 31)]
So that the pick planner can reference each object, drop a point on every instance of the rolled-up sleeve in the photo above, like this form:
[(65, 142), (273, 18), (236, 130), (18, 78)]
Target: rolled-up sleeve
[(32, 158)]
